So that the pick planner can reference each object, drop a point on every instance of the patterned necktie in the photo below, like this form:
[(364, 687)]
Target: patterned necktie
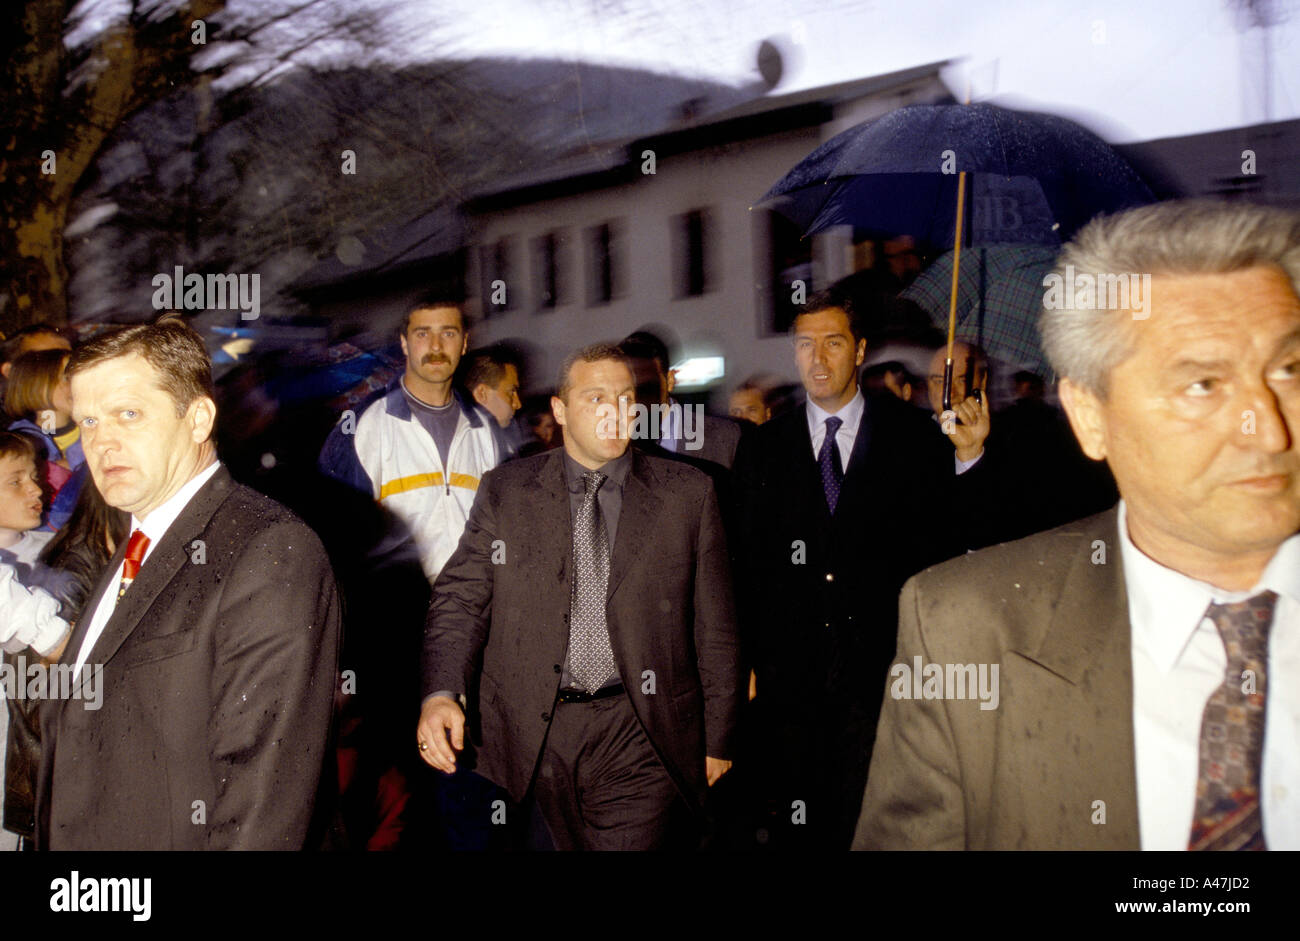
[(1232, 732), (591, 660), (135, 550), (828, 459)]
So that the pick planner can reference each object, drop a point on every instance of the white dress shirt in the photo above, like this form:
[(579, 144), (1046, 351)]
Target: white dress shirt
[(1178, 662), (851, 414), (155, 527)]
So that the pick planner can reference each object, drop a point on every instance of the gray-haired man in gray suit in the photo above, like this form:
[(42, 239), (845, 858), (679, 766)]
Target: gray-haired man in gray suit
[(1141, 653)]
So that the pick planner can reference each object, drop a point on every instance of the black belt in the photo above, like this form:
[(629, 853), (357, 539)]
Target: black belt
[(581, 695)]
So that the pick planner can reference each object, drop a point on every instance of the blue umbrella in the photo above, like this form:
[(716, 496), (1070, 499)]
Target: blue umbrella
[(1033, 177)]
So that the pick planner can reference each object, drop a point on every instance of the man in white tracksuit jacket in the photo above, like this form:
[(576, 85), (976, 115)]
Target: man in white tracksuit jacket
[(419, 451), (422, 448)]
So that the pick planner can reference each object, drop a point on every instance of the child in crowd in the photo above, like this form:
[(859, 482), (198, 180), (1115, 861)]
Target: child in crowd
[(39, 401), (29, 617)]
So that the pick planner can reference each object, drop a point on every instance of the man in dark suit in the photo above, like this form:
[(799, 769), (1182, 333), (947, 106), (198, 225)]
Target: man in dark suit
[(586, 621), (1128, 664), (213, 635), (679, 434), (1017, 472), (837, 505)]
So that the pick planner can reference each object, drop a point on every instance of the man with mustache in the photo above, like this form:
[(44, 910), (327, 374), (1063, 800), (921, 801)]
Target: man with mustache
[(419, 452), (1150, 655), (422, 448)]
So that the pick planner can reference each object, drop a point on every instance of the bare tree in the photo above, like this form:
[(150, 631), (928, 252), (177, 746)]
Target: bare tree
[(76, 71), (63, 104)]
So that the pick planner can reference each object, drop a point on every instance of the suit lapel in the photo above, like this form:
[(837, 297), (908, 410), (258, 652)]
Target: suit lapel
[(107, 579), (1093, 604), (861, 443), (1085, 692), (807, 474), (636, 520), (551, 528), (159, 569)]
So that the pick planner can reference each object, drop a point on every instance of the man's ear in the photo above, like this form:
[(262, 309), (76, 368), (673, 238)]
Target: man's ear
[(402, 339), (1087, 418), (202, 418), (480, 394), (862, 351), (4, 369), (672, 380), (464, 346), (557, 409)]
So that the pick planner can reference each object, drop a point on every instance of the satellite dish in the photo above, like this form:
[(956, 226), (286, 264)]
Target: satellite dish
[(769, 63)]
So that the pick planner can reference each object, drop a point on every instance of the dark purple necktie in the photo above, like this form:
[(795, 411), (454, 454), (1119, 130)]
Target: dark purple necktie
[(828, 459)]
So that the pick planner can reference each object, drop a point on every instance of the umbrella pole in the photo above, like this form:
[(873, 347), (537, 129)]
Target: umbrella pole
[(952, 300)]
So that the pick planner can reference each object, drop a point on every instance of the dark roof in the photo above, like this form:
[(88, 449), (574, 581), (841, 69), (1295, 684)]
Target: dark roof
[(825, 94), (603, 166), (616, 161), (1210, 164), (390, 249)]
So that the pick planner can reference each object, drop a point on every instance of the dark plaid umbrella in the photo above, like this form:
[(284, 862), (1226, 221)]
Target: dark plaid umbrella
[(1032, 177), (999, 296)]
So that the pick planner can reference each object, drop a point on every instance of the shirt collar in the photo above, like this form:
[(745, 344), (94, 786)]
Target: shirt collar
[(415, 401), (1166, 606), (616, 470), (397, 405), (161, 519), (851, 414)]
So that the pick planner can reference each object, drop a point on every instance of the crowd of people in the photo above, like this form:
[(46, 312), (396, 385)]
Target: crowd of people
[(691, 631)]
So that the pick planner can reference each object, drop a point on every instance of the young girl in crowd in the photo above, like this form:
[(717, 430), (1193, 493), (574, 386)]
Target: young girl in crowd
[(38, 400), (45, 582)]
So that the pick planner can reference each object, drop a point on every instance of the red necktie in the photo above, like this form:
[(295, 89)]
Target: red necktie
[(135, 549)]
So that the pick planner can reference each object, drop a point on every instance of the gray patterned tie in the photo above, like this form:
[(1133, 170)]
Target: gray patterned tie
[(591, 660)]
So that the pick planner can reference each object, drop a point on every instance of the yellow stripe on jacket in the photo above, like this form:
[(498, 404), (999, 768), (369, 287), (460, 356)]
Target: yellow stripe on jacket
[(416, 481)]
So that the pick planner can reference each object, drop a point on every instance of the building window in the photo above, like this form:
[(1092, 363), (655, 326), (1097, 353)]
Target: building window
[(690, 262), (549, 270), (498, 287), (601, 265), (791, 260)]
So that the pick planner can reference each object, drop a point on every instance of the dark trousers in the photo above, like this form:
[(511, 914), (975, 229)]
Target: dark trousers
[(600, 785), (811, 769)]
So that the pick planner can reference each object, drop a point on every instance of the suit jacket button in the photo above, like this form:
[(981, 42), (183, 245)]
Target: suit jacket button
[(546, 717), (558, 669), (830, 576)]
